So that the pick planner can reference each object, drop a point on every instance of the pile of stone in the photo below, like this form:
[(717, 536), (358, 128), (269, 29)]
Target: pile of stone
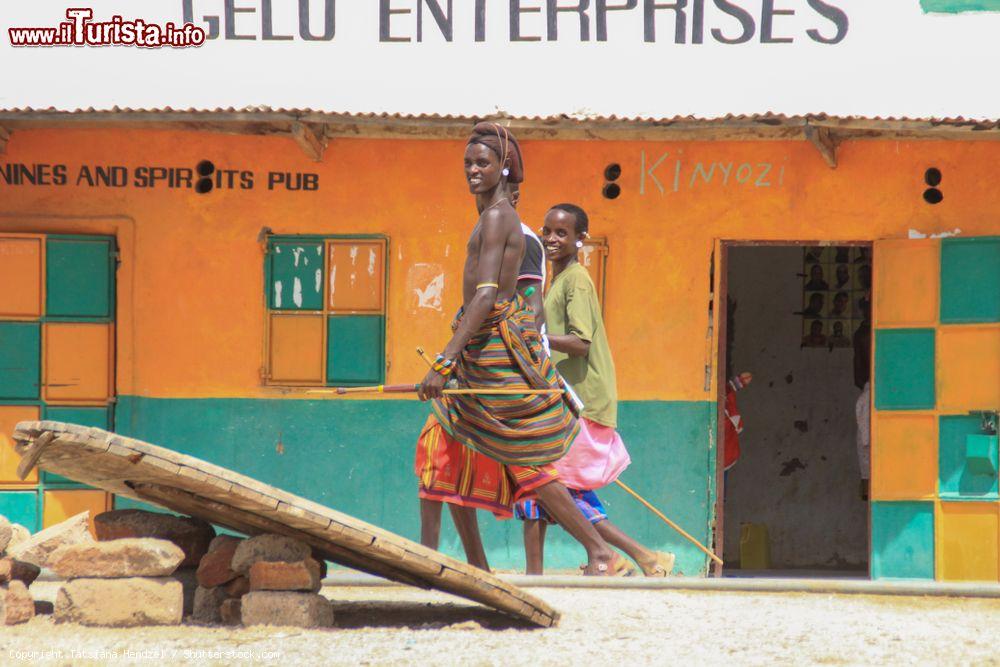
[(264, 580), (16, 575), (119, 583), (193, 537)]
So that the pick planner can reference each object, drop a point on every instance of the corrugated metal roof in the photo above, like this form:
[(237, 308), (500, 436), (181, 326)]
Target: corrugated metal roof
[(764, 118)]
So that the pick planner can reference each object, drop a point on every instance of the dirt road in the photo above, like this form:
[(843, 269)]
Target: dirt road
[(391, 625)]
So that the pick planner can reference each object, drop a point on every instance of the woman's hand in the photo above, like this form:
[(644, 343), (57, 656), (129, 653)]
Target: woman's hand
[(432, 386)]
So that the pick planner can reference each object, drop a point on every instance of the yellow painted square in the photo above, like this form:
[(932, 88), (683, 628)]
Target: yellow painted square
[(10, 415), (906, 282), (78, 362), (967, 536), (968, 367), (61, 504), (297, 354), (21, 266), (904, 456)]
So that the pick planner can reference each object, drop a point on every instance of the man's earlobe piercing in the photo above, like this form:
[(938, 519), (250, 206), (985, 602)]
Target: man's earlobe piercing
[(579, 244), (506, 171)]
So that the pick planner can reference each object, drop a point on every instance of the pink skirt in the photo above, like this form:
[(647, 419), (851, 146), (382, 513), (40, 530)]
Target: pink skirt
[(595, 459)]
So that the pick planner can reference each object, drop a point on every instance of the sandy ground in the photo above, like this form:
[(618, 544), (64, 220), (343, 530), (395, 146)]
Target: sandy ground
[(395, 625)]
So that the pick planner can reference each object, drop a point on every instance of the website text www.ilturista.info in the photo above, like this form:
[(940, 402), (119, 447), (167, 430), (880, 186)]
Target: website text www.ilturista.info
[(82, 30)]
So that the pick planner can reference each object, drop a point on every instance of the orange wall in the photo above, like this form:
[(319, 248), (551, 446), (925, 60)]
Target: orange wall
[(190, 321)]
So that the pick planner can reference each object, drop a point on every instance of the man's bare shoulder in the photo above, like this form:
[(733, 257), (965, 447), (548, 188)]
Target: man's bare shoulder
[(499, 218)]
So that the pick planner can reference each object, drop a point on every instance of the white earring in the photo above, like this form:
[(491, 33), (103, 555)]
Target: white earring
[(506, 171), (579, 244)]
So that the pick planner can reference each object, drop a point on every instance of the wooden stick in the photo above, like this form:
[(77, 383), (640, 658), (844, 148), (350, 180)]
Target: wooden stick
[(669, 522), (500, 392), (425, 357), (412, 388)]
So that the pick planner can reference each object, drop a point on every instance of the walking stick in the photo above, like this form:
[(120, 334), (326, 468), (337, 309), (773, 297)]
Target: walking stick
[(413, 388), (669, 522)]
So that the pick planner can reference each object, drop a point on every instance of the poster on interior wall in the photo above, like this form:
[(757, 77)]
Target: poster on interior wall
[(835, 290)]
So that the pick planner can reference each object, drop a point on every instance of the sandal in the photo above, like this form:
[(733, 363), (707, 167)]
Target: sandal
[(620, 567), (664, 564)]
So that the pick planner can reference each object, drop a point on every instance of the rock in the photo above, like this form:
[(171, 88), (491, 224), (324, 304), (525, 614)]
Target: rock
[(281, 576), (16, 570), (207, 602), (189, 582), (230, 612), (191, 535), (268, 548), (16, 605), (43, 607), (238, 587), (37, 548), (322, 564), (128, 557), (120, 603), (6, 532), (221, 540), (301, 610), (215, 567), (19, 534)]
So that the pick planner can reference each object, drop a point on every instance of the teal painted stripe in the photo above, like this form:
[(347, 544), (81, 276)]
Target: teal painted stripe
[(357, 457), (959, 6)]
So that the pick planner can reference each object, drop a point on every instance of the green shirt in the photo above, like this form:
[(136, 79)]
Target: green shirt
[(571, 307)]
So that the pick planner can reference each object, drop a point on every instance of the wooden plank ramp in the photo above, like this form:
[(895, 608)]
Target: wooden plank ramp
[(141, 471)]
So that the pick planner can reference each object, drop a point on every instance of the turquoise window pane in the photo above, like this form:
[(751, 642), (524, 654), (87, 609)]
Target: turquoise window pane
[(970, 280), (20, 360), (960, 477), (21, 507), (296, 275), (99, 417), (355, 349), (904, 369), (79, 277), (902, 540)]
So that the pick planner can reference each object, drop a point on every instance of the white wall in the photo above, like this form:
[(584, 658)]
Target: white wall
[(814, 515)]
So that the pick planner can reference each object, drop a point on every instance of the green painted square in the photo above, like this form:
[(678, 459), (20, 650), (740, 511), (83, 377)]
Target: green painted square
[(960, 480), (98, 417), (79, 277), (21, 507), (295, 275), (959, 6), (355, 349), (904, 369), (902, 540), (20, 360), (970, 280)]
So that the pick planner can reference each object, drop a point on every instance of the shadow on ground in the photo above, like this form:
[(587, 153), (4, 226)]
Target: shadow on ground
[(421, 616)]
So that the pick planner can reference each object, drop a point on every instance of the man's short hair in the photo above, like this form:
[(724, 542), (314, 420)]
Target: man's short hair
[(581, 221)]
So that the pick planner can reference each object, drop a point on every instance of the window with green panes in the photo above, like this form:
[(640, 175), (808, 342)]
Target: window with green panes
[(57, 313), (326, 311)]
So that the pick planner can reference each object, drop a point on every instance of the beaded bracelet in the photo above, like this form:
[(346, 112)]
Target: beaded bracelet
[(443, 366)]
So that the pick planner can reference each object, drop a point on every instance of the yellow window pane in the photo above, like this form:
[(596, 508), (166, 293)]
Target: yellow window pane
[(906, 282), (297, 350), (355, 276), (10, 415), (967, 536), (78, 362), (968, 372), (65, 503), (20, 276), (904, 456)]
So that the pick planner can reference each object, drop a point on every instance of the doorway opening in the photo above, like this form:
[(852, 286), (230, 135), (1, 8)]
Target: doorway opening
[(794, 367)]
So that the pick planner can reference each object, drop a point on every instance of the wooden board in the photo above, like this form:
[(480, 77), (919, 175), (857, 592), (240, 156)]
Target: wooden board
[(184, 484)]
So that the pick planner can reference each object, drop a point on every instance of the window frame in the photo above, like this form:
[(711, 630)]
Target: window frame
[(326, 312)]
